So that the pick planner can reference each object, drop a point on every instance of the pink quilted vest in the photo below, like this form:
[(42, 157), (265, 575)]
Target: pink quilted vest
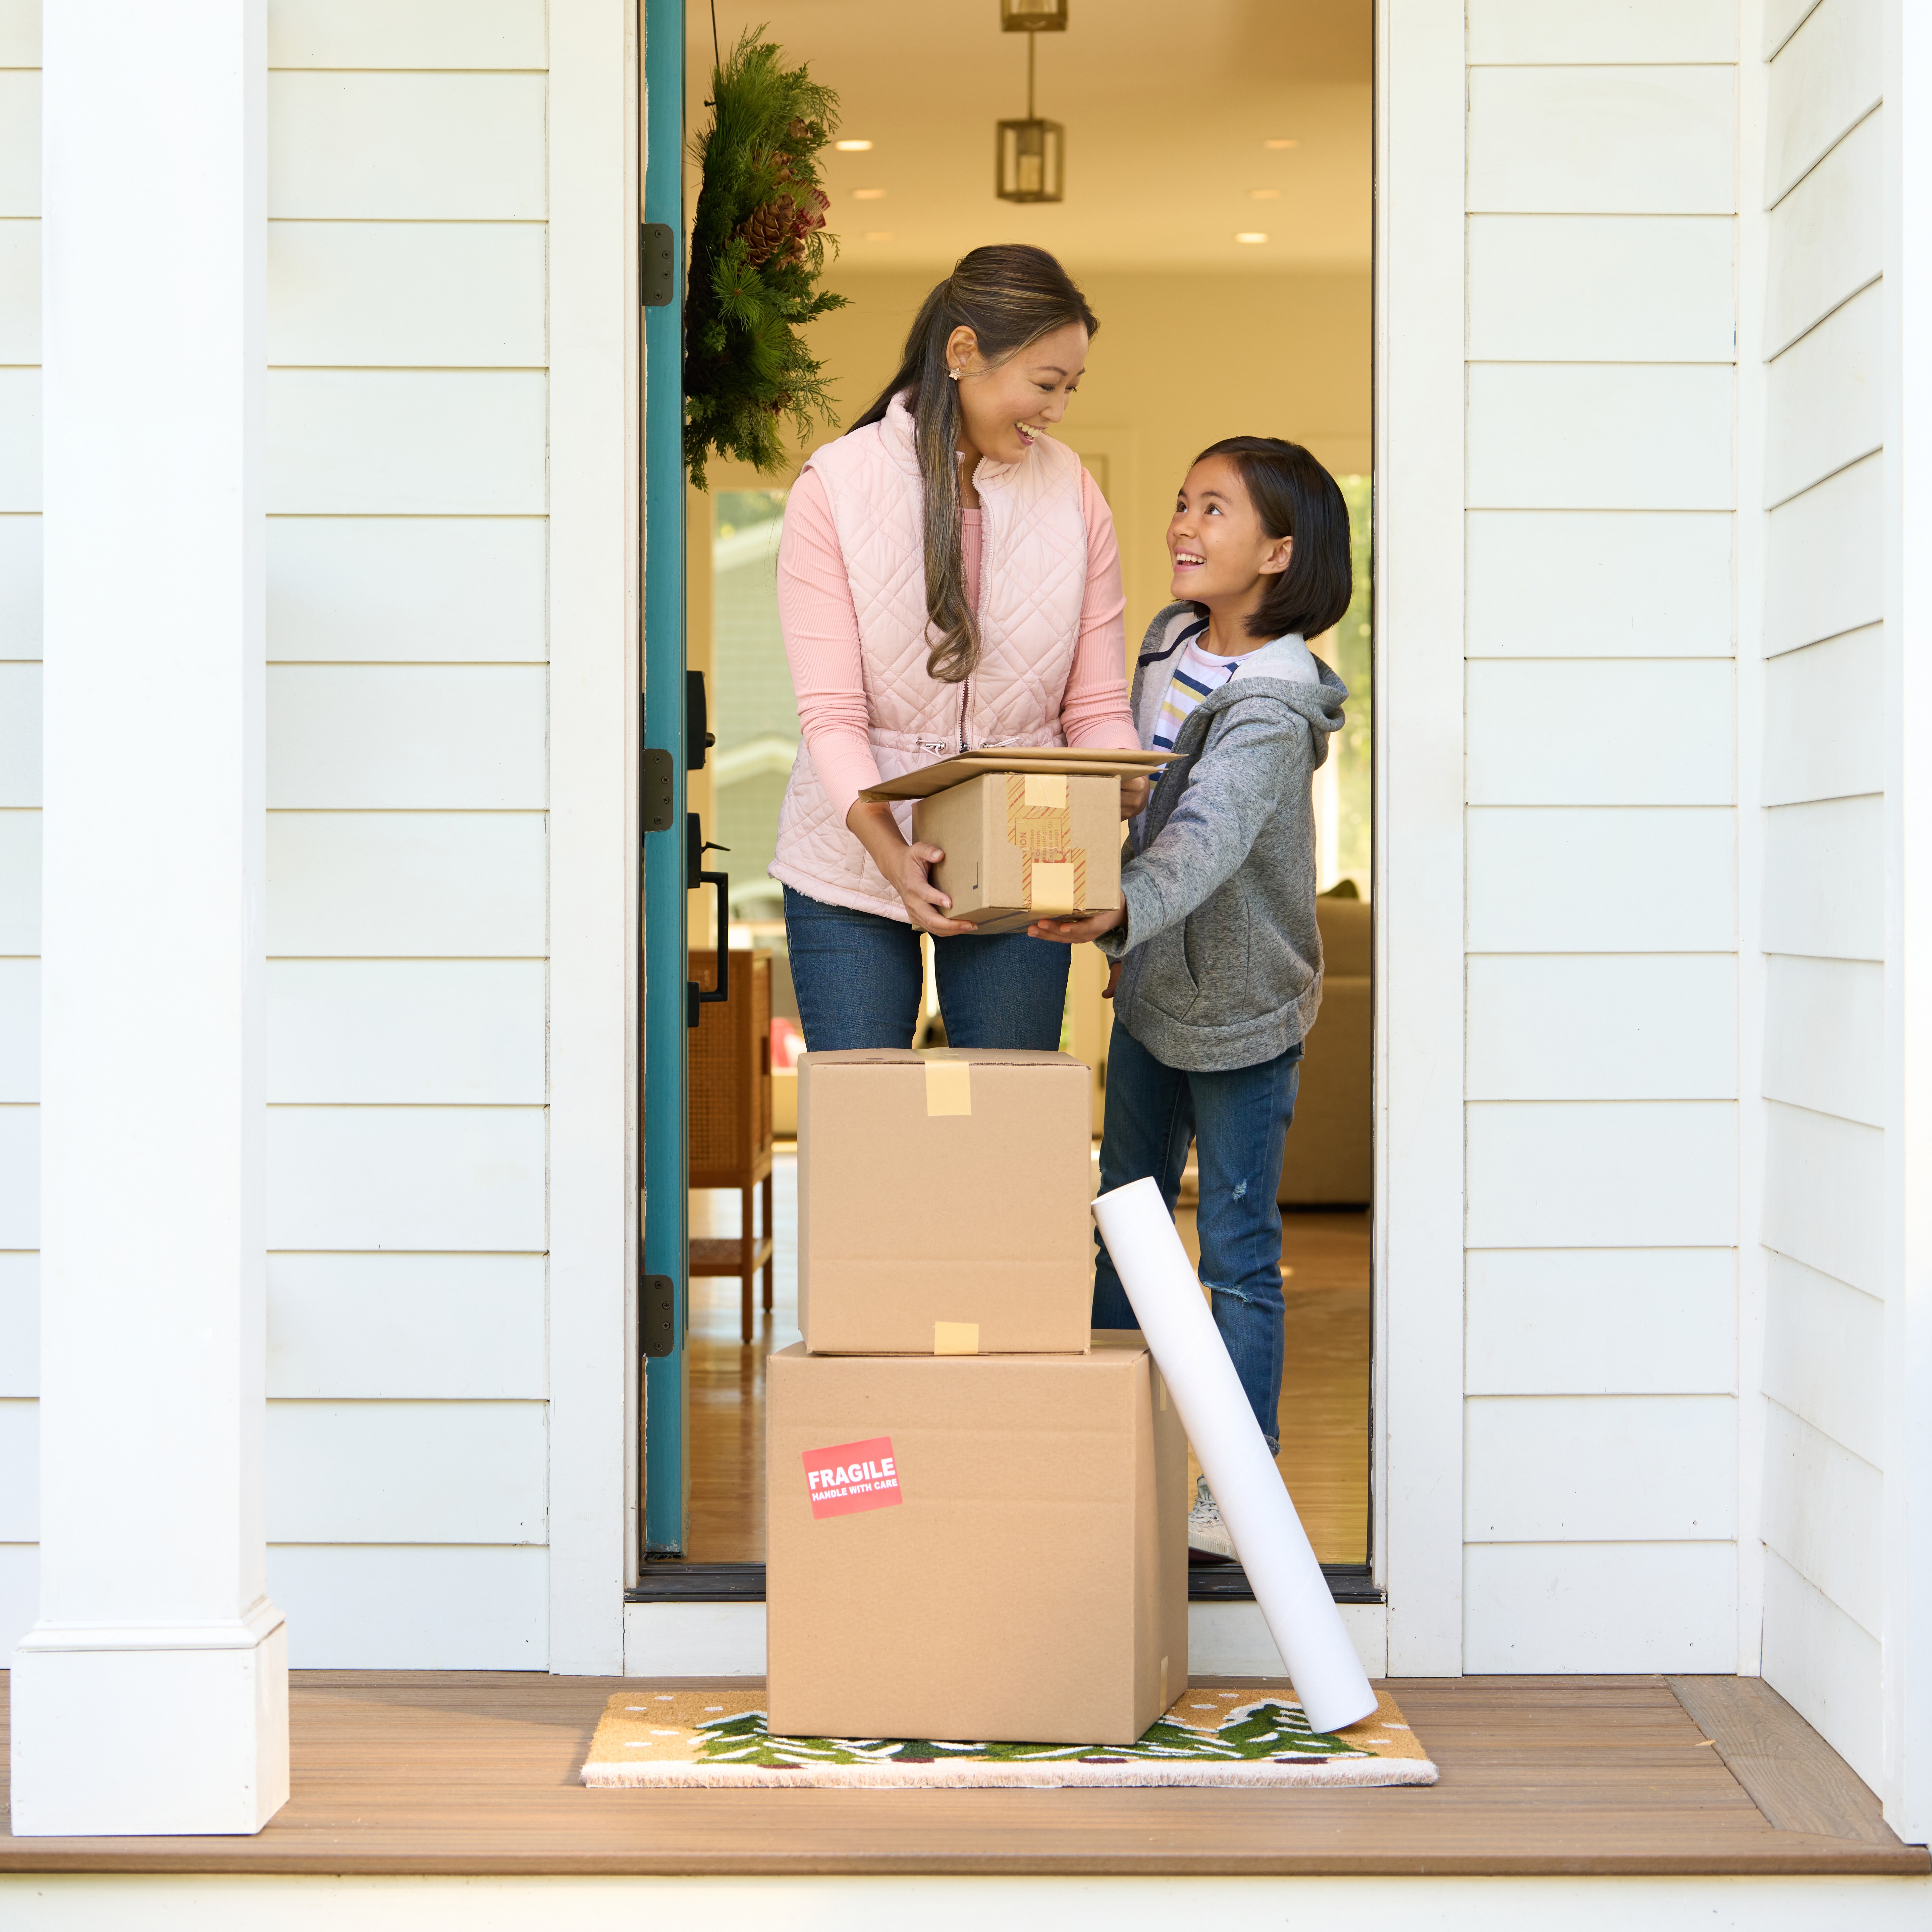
[(1033, 577)]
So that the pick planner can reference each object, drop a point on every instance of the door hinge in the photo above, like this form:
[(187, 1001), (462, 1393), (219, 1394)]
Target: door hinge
[(657, 1314), (656, 790), (657, 265)]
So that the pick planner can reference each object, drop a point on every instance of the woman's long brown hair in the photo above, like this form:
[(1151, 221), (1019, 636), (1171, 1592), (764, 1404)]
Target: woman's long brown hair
[(1009, 295)]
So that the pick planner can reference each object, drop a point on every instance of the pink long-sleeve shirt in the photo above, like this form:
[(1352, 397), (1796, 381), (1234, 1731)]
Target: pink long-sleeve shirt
[(820, 627)]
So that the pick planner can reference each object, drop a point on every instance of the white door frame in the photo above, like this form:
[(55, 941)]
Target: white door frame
[(596, 389), (1418, 896), (594, 590)]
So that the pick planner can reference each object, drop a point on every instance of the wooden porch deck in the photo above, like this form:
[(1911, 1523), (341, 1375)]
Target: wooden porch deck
[(455, 1772)]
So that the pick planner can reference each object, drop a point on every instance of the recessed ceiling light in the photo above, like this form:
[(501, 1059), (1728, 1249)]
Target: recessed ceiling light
[(1266, 144), (869, 194), (1264, 194), (878, 235), (860, 147), (1250, 236)]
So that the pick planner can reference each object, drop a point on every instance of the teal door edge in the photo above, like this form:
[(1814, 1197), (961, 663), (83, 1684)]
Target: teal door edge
[(666, 1245)]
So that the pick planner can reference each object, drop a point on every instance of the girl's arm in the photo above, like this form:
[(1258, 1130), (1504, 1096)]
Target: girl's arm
[(1241, 777), (820, 624)]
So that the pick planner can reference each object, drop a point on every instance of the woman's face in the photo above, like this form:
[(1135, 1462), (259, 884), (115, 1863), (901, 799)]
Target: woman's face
[(1216, 540), (1003, 405)]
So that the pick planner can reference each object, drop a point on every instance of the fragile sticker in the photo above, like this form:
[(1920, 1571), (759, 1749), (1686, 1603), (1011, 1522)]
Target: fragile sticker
[(852, 1476)]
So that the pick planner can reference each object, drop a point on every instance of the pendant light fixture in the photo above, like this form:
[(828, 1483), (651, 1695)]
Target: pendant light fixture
[(1030, 159)]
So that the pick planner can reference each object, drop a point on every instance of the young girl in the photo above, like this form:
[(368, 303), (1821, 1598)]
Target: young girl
[(1220, 957)]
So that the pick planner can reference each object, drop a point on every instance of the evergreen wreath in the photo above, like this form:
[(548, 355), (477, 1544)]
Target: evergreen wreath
[(757, 249)]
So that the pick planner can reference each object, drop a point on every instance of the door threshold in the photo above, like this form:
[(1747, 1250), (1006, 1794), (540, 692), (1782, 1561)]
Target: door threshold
[(665, 1580)]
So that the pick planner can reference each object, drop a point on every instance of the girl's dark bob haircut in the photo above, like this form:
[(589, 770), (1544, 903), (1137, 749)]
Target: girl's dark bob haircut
[(1294, 496)]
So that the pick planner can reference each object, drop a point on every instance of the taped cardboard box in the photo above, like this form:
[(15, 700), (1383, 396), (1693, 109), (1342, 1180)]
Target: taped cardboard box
[(942, 1202), (975, 1548), (1022, 845)]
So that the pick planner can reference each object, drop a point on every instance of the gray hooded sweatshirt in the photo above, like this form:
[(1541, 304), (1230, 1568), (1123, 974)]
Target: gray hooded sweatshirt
[(1222, 956)]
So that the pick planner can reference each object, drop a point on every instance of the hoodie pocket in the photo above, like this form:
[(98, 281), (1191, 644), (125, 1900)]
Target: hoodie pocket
[(1166, 984), (1214, 944)]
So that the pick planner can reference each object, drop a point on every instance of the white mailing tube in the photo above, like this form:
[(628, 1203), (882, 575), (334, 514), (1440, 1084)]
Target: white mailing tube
[(1274, 1549)]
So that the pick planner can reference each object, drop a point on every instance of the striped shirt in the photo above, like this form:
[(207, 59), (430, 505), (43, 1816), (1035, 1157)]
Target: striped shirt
[(1197, 675)]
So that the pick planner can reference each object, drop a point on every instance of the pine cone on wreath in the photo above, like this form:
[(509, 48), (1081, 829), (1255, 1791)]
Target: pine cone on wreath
[(767, 230)]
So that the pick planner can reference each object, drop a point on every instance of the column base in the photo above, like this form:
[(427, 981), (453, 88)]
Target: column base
[(163, 1730)]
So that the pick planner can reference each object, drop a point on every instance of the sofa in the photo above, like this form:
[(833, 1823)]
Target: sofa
[(1330, 1160)]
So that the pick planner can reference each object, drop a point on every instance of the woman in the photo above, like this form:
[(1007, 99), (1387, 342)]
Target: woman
[(948, 581)]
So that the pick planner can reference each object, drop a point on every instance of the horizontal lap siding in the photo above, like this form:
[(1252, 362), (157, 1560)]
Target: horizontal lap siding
[(1824, 892), (407, 782), (407, 789), (19, 815), (1600, 1420)]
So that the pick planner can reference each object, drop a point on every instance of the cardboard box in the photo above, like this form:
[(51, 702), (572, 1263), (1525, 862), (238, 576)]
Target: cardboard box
[(975, 1548), (1020, 845), (942, 1202)]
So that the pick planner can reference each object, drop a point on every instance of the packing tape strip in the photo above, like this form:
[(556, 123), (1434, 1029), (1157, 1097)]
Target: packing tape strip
[(1050, 888), (956, 1338), (949, 1083), (1038, 825)]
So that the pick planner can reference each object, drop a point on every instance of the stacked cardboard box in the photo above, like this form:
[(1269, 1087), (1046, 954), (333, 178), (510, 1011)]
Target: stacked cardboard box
[(975, 1507)]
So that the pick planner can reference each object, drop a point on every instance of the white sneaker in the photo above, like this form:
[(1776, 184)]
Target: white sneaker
[(1206, 1531)]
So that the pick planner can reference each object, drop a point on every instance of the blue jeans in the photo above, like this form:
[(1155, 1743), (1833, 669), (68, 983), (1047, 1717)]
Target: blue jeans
[(1240, 1119), (859, 978)]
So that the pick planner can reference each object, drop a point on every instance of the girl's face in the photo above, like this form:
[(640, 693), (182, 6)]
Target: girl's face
[(1220, 551), (1002, 405)]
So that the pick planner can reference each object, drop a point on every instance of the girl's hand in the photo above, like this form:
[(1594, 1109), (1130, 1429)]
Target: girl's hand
[(1075, 931), (1134, 796)]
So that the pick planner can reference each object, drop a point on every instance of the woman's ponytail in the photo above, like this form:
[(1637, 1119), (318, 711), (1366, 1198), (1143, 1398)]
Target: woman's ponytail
[(1010, 295)]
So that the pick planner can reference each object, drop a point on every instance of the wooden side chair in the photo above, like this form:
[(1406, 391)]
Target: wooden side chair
[(731, 1117)]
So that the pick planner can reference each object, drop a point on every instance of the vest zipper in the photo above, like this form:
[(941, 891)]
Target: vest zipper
[(965, 692)]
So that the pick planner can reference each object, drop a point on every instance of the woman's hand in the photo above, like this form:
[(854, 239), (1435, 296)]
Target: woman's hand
[(1075, 931), (1134, 796), (905, 867)]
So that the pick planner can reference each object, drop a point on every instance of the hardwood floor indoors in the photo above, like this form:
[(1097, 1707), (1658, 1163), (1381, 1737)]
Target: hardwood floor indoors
[(1324, 1391)]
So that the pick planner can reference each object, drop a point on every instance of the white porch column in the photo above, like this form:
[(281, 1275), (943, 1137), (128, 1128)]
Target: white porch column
[(152, 1695)]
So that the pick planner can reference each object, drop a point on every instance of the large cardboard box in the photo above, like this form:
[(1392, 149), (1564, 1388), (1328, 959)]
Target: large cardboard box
[(942, 1202), (1020, 845), (968, 1549)]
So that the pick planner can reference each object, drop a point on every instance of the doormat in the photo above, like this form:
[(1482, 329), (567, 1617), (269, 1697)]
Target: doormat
[(1246, 1737)]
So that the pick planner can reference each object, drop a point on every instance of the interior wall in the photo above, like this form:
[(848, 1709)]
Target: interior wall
[(1822, 933)]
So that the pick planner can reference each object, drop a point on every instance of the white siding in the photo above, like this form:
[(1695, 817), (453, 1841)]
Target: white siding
[(1601, 1432), (1541, 1607), (1556, 584), (422, 1607), (412, 590), (19, 1324), (1602, 1321), (1823, 893), (407, 788)]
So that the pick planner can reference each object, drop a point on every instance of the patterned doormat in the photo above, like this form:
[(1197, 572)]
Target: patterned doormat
[(1247, 1737)]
